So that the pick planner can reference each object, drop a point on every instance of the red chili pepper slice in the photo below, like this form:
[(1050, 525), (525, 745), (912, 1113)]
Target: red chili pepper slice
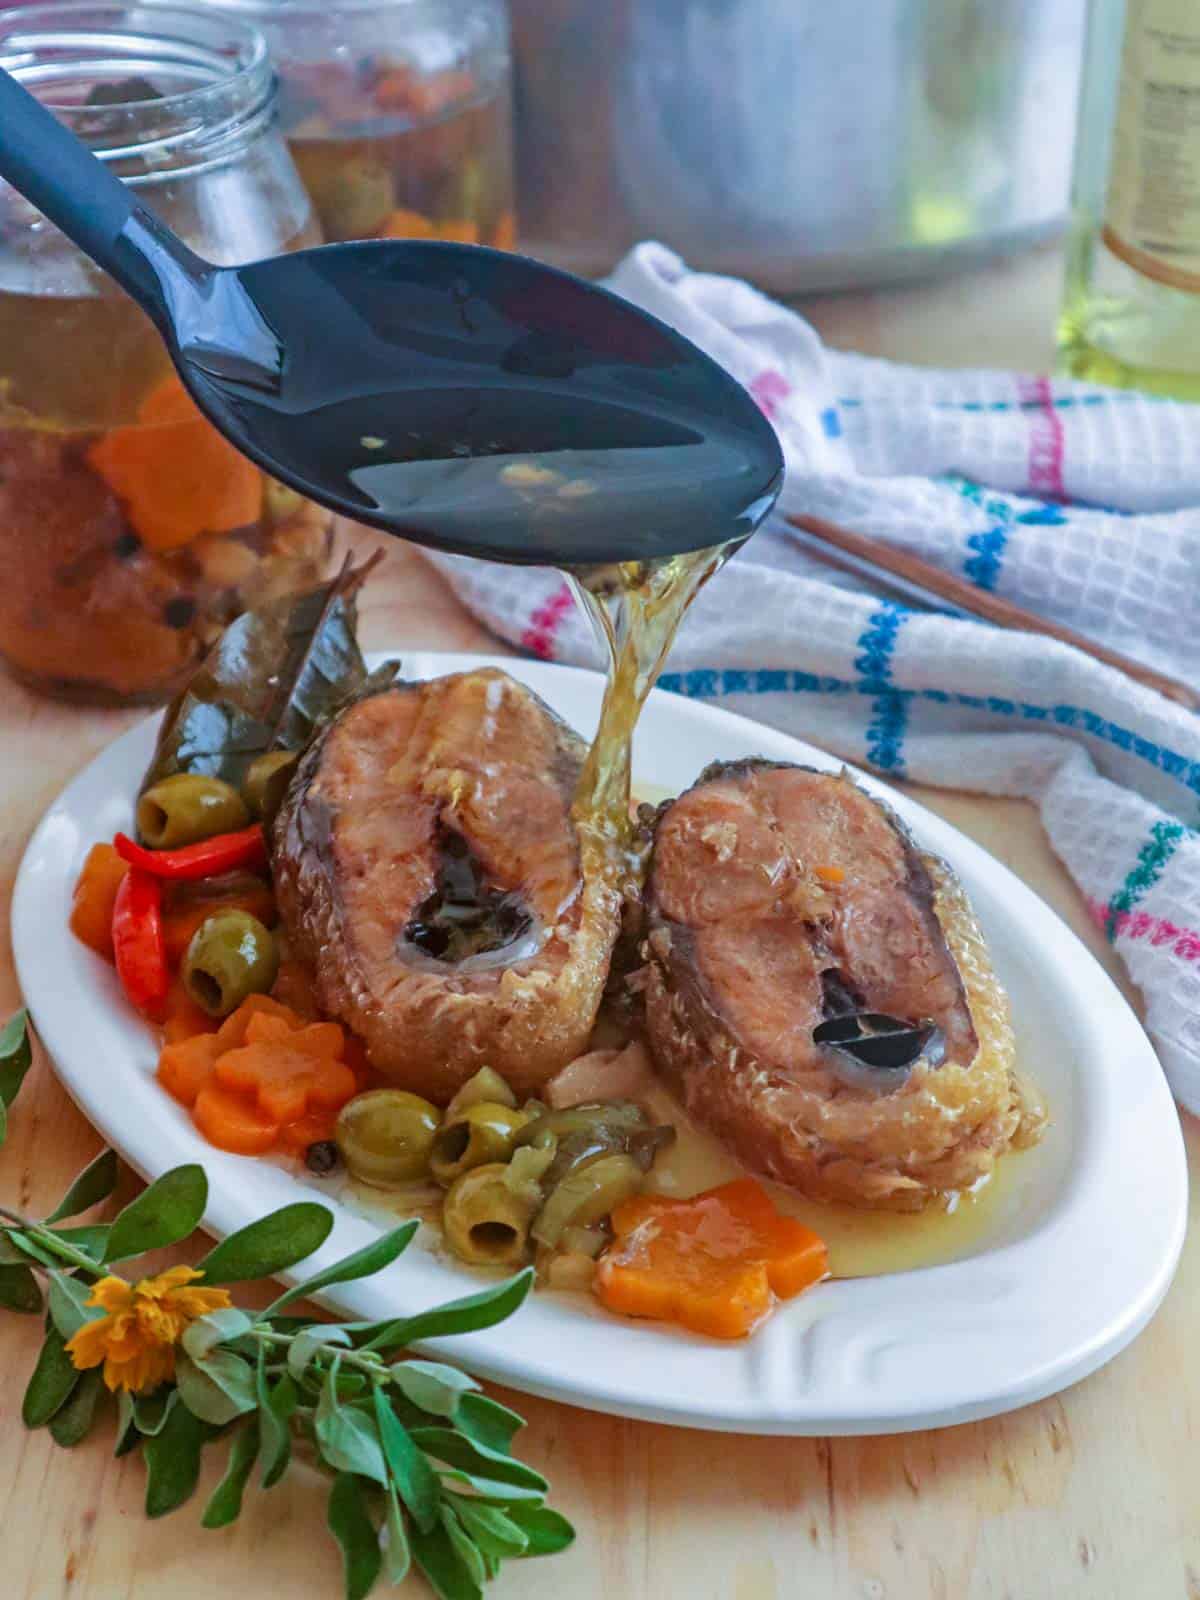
[(222, 853), (138, 945)]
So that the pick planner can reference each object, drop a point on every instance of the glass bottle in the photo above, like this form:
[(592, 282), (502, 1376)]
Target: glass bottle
[(130, 531), (1131, 308), (397, 113)]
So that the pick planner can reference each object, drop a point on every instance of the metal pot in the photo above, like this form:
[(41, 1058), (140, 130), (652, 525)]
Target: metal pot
[(803, 144)]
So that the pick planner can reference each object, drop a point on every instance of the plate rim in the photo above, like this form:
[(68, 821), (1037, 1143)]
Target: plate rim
[(496, 1358)]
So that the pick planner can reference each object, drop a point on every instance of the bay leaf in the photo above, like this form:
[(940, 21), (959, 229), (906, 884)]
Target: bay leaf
[(272, 678)]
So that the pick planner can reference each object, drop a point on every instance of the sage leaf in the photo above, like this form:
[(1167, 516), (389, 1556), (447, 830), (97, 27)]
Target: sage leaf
[(19, 1288), (163, 1214), (68, 1304), (270, 1245), (151, 1411), (397, 1556), (172, 1457), (481, 1310), (548, 1531), (54, 1377), (271, 679), (345, 1437), (31, 1247), (128, 1438), (275, 1407), (488, 1422), (464, 1547), (309, 1341), (91, 1239), (214, 1328), (16, 1055), (440, 1562), (371, 1258), (95, 1183), (409, 1468), (456, 1450), (72, 1422), (491, 1490), (217, 1391), (433, 1387), (351, 1525), (493, 1530), (225, 1504)]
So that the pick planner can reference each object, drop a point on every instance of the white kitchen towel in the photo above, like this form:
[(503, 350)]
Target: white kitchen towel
[(1079, 502)]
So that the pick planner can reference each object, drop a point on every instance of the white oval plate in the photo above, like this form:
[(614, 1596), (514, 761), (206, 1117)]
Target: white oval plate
[(1080, 1265)]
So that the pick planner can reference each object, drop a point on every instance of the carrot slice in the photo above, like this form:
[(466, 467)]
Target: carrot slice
[(175, 475), (186, 1067), (504, 234), (289, 1071), (714, 1264), (233, 1121), (233, 1030), (94, 898), (186, 915), (184, 1018), (458, 230)]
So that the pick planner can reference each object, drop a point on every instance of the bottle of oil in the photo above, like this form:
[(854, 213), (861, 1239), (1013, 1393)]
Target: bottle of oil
[(1131, 310)]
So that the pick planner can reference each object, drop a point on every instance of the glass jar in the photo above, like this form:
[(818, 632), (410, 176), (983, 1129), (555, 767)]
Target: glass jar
[(130, 531), (397, 113)]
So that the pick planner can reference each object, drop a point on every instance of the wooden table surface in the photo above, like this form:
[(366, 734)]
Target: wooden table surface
[(1091, 1494)]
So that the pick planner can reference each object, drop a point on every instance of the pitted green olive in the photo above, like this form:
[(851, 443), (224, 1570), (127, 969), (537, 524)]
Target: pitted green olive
[(484, 1221), (385, 1136), (486, 1086), (587, 1195), (481, 1133), (186, 808), (230, 957)]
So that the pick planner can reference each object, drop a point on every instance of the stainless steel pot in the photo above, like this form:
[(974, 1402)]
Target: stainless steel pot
[(806, 144)]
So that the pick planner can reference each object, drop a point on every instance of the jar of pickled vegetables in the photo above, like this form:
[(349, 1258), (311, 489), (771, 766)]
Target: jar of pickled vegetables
[(397, 113), (130, 531)]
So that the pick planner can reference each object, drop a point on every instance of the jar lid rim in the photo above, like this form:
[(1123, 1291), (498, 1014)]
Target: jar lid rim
[(176, 31)]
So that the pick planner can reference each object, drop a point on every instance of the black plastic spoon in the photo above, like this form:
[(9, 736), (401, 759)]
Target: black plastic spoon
[(468, 399)]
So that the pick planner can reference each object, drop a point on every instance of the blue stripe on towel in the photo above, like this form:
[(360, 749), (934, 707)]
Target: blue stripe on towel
[(712, 684), (889, 710)]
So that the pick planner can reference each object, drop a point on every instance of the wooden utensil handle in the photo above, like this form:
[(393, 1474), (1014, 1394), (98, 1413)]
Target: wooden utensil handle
[(911, 569)]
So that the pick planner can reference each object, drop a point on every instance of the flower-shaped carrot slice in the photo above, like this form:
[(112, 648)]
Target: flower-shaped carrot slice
[(187, 1065), (714, 1264), (288, 1071), (233, 1121), (233, 1030)]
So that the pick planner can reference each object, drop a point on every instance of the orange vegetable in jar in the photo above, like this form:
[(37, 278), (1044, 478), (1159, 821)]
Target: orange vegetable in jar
[(458, 230), (404, 224), (94, 897), (315, 1127), (174, 474), (714, 1264), (504, 234)]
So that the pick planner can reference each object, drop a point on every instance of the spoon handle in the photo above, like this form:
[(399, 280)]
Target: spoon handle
[(54, 170)]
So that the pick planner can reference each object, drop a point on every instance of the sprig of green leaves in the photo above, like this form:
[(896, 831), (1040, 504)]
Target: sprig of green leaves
[(421, 1463)]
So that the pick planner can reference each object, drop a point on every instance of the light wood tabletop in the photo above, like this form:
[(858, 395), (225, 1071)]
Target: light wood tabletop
[(1090, 1494)]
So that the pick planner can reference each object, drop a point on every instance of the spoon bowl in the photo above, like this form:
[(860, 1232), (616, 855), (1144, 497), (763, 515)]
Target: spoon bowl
[(465, 398)]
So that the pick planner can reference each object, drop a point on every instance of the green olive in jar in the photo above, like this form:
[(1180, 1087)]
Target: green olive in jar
[(484, 1221), (186, 808), (385, 1136)]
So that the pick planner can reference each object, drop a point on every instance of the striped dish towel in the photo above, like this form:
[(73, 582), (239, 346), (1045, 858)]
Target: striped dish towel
[(1079, 502)]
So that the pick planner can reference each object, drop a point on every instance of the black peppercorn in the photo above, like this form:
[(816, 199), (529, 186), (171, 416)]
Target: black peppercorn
[(321, 1157), (177, 613)]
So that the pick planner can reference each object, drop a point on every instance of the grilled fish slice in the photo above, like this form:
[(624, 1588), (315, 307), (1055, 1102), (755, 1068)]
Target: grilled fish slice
[(428, 869), (779, 898)]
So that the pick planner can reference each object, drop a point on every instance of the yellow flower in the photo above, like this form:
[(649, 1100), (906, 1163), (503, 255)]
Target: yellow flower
[(143, 1323)]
